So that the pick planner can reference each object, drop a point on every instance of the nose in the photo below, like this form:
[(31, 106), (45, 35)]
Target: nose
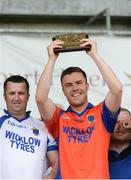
[(75, 87), (117, 127), (16, 96)]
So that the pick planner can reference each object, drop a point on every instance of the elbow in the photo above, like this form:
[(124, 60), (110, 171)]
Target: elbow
[(119, 90), (37, 99)]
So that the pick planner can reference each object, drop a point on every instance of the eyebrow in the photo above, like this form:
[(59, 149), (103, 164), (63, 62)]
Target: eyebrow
[(79, 81)]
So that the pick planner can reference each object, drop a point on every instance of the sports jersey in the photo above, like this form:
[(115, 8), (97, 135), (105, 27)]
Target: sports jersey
[(23, 147), (83, 141), (120, 164)]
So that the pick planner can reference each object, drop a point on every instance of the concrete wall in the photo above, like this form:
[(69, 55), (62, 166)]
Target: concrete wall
[(65, 7)]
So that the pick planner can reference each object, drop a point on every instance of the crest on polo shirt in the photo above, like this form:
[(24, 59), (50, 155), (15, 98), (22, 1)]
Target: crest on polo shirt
[(91, 118), (35, 131)]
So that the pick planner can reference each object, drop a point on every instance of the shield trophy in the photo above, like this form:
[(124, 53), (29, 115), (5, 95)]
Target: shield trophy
[(71, 42)]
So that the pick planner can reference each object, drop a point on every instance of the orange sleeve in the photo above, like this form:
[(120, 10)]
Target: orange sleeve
[(53, 125)]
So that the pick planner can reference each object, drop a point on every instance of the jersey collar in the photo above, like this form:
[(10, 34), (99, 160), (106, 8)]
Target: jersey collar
[(9, 115), (89, 106), (115, 156)]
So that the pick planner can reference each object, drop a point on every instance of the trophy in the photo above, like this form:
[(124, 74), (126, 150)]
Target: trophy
[(71, 42)]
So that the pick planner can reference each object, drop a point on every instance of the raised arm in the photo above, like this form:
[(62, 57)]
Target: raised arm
[(113, 98), (45, 105)]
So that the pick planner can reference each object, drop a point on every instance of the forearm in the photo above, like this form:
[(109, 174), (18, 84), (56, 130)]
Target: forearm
[(109, 76), (44, 82), (53, 159), (53, 172), (114, 85)]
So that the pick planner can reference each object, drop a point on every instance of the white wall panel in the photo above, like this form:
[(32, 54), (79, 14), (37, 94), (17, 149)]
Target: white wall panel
[(27, 55)]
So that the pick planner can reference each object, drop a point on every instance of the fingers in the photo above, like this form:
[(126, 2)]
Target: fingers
[(125, 126), (52, 46), (56, 44), (86, 42)]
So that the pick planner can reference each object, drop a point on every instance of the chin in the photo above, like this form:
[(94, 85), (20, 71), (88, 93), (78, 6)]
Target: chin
[(77, 104), (120, 138)]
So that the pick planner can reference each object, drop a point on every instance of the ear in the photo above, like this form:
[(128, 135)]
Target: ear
[(87, 87), (63, 91), (4, 96), (28, 96)]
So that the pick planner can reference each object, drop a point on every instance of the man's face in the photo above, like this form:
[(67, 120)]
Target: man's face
[(118, 133), (75, 89), (16, 97)]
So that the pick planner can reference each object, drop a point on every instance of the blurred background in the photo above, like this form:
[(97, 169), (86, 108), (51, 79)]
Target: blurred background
[(27, 27)]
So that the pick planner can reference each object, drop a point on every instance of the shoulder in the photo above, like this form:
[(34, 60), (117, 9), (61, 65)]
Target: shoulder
[(97, 108), (3, 117), (39, 123), (36, 120), (2, 113)]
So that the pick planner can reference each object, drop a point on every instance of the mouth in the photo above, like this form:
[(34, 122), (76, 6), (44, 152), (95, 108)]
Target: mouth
[(16, 104), (120, 133), (76, 95)]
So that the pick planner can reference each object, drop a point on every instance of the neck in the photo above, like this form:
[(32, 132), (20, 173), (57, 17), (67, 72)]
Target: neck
[(118, 145), (79, 109), (19, 116)]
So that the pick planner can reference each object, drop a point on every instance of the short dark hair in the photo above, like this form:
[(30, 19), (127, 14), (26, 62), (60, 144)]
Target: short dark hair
[(71, 70), (16, 79), (124, 109)]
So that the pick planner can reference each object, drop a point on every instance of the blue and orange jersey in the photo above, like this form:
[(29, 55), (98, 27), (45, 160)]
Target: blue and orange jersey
[(83, 141)]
